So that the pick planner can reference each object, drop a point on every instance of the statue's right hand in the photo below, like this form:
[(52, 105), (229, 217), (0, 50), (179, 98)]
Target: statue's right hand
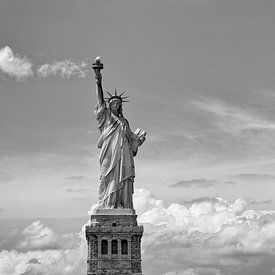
[(98, 76)]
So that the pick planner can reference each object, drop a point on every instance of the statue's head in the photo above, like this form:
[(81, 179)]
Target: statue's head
[(115, 102), (116, 106)]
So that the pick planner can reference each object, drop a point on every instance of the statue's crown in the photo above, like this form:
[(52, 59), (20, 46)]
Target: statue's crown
[(114, 97)]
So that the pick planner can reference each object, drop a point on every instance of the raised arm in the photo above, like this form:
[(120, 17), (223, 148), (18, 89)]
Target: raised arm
[(99, 90)]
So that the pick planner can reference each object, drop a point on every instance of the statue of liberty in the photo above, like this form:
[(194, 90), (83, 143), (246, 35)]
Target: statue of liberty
[(118, 145)]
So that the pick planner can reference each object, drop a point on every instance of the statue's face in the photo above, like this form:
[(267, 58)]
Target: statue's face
[(116, 106)]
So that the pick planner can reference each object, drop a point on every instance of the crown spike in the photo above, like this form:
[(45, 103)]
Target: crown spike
[(109, 93), (115, 92), (122, 93)]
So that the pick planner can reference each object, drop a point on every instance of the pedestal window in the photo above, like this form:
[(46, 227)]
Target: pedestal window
[(124, 247), (114, 247), (104, 247)]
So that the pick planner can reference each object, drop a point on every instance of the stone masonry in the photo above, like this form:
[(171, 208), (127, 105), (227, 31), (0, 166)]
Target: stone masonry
[(114, 243)]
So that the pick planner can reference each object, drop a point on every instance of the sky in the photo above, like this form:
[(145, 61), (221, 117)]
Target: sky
[(200, 76)]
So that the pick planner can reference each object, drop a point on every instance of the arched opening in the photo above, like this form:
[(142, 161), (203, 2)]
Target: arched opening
[(124, 247), (114, 247), (104, 247)]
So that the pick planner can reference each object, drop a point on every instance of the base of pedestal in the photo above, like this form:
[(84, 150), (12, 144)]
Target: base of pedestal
[(114, 243), (115, 211)]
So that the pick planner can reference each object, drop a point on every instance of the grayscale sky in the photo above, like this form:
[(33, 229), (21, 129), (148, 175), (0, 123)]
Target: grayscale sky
[(200, 75)]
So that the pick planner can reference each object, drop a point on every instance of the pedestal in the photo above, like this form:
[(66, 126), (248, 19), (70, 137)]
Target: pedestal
[(114, 243)]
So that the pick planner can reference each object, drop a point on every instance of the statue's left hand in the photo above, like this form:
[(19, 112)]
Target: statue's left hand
[(141, 140)]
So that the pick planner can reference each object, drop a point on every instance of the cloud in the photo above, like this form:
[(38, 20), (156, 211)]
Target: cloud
[(57, 262), (37, 236), (211, 232), (189, 271), (14, 65), (21, 67), (66, 69), (34, 261), (145, 201), (79, 199), (230, 182), (211, 237), (232, 119), (196, 271), (253, 177), (197, 183), (74, 177), (45, 252), (252, 201), (200, 200), (71, 190)]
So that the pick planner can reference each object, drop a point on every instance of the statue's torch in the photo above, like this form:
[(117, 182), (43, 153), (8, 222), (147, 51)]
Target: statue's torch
[(97, 65)]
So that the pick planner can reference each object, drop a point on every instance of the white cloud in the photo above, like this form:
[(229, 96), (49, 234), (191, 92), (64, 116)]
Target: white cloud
[(199, 183), (196, 271), (212, 237), (14, 65), (212, 232), (254, 177), (21, 67), (233, 119), (144, 201), (75, 177), (71, 190), (188, 271), (65, 69), (57, 262), (38, 250), (37, 236)]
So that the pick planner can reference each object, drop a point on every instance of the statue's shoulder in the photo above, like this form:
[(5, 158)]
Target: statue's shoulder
[(126, 121), (101, 111)]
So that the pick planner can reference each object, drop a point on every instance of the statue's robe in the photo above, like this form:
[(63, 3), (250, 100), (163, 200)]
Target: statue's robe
[(118, 146)]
